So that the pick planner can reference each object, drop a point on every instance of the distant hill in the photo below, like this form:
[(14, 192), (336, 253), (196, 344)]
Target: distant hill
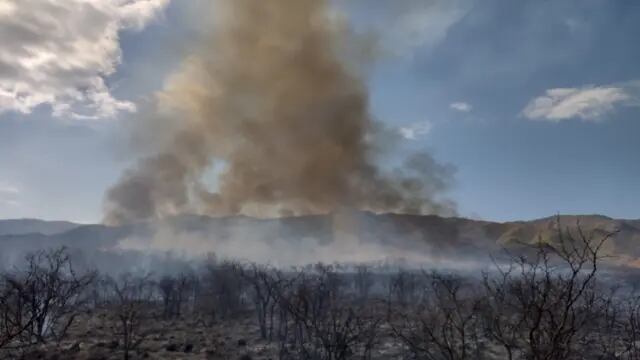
[(34, 226), (410, 233), (625, 246)]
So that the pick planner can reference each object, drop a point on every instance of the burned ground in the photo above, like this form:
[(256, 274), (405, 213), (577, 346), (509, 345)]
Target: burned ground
[(552, 301)]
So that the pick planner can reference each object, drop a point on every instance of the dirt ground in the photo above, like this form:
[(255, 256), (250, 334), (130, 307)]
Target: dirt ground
[(91, 337)]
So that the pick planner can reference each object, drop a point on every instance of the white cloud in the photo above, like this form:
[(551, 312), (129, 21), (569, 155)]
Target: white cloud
[(425, 24), (8, 189), (9, 194), (9, 202), (408, 25), (415, 130), (573, 24), (587, 103), (61, 52), (461, 106)]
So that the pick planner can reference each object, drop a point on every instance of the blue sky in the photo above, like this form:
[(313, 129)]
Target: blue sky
[(536, 103)]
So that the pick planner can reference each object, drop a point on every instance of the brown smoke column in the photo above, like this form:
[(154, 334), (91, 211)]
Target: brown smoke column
[(270, 95)]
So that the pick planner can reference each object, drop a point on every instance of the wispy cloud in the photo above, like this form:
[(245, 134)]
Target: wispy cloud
[(587, 103), (8, 189), (9, 202), (9, 194), (61, 52), (407, 26), (415, 130), (461, 106)]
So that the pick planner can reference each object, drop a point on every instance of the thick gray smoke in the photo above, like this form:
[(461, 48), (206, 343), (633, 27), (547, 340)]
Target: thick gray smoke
[(273, 100)]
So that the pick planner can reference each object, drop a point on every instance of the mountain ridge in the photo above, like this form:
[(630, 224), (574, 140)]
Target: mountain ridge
[(426, 233), (31, 225)]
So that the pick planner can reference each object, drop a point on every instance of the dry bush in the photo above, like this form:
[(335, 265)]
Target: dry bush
[(404, 288), (363, 282), (176, 291), (547, 305), (40, 302), (131, 302), (445, 324), (325, 323), (265, 285), (222, 293)]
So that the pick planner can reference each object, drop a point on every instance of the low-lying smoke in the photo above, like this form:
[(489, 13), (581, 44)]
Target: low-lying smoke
[(274, 104), (340, 238)]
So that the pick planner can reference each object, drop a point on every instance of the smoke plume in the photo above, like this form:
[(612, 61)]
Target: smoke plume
[(273, 104)]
